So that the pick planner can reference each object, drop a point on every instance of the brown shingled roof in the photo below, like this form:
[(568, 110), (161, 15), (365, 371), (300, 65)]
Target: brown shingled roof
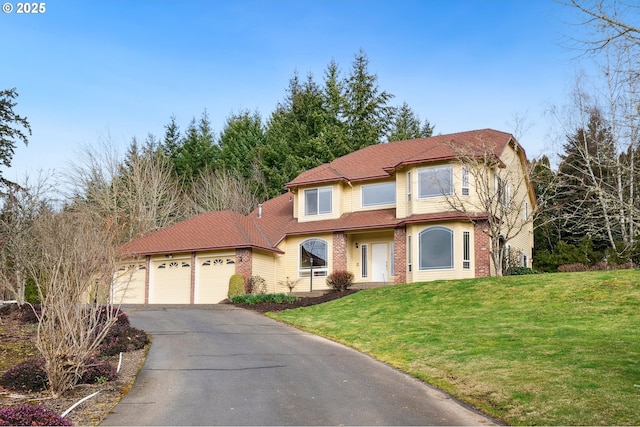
[(377, 161), (211, 230)]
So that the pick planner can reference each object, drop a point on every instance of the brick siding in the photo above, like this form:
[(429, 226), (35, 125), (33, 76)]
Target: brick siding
[(400, 256), (244, 264), (339, 251), (482, 248)]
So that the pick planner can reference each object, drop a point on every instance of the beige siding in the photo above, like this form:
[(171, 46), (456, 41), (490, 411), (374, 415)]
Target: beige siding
[(264, 265), (170, 280), (335, 204), (288, 264), (213, 270), (129, 284), (401, 194)]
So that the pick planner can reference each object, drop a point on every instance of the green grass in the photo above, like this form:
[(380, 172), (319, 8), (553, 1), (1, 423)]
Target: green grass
[(553, 349)]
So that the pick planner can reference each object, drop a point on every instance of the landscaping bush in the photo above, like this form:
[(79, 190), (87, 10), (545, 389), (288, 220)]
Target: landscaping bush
[(30, 313), (26, 376), (257, 285), (122, 338), (257, 299), (340, 280), (521, 271), (97, 369), (236, 286), (31, 415), (572, 268)]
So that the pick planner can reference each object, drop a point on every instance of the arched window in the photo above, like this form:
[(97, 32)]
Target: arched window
[(436, 248), (313, 253)]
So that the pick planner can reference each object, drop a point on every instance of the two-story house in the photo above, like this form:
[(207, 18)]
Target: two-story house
[(385, 213)]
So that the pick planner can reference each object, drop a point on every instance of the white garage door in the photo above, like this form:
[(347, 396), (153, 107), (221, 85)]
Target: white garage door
[(212, 278), (170, 282), (129, 284)]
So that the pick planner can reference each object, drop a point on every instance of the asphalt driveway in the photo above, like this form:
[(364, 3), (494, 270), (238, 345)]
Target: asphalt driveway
[(221, 365)]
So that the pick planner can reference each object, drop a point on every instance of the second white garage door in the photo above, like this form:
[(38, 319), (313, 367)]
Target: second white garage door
[(171, 282)]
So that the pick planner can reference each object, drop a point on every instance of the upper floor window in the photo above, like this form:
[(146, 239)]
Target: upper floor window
[(465, 181), (313, 255), (436, 248), (379, 194), (318, 201), (435, 181)]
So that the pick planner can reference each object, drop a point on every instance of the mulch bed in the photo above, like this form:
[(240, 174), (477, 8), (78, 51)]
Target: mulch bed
[(302, 302)]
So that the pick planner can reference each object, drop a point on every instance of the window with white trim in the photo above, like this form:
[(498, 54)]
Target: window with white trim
[(435, 248), (313, 256), (409, 186), (466, 250), (318, 201), (364, 260), (409, 254), (393, 259), (378, 194), (435, 181), (465, 180)]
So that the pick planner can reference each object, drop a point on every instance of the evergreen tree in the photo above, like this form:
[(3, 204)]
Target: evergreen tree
[(407, 125), (367, 113), (295, 137), (196, 151), (13, 128), (240, 143)]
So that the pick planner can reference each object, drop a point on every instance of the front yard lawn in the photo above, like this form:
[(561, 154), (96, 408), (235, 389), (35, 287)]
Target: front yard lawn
[(549, 349)]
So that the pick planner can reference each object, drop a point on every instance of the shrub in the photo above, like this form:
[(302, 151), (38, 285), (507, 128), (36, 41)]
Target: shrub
[(29, 375), (521, 271), (122, 338), (236, 286), (30, 313), (257, 285), (31, 415), (31, 294), (572, 268), (95, 369), (340, 280), (289, 283), (256, 299)]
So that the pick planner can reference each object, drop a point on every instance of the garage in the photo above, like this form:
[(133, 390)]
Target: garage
[(170, 281), (129, 284), (212, 277)]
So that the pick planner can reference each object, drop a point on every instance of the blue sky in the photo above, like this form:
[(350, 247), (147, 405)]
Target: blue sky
[(109, 69)]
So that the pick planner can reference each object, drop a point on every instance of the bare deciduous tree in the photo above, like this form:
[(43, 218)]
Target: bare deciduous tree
[(222, 190), (139, 197), (498, 199), (72, 259), (21, 206)]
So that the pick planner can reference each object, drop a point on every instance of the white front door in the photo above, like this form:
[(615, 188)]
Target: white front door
[(379, 262)]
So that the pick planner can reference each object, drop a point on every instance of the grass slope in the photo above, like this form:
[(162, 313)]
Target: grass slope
[(553, 349)]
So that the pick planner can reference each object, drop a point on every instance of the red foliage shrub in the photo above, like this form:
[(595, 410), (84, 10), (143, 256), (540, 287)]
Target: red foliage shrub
[(95, 369), (340, 280), (31, 415), (26, 376)]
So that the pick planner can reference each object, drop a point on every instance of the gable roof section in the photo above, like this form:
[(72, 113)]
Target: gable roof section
[(381, 160)]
